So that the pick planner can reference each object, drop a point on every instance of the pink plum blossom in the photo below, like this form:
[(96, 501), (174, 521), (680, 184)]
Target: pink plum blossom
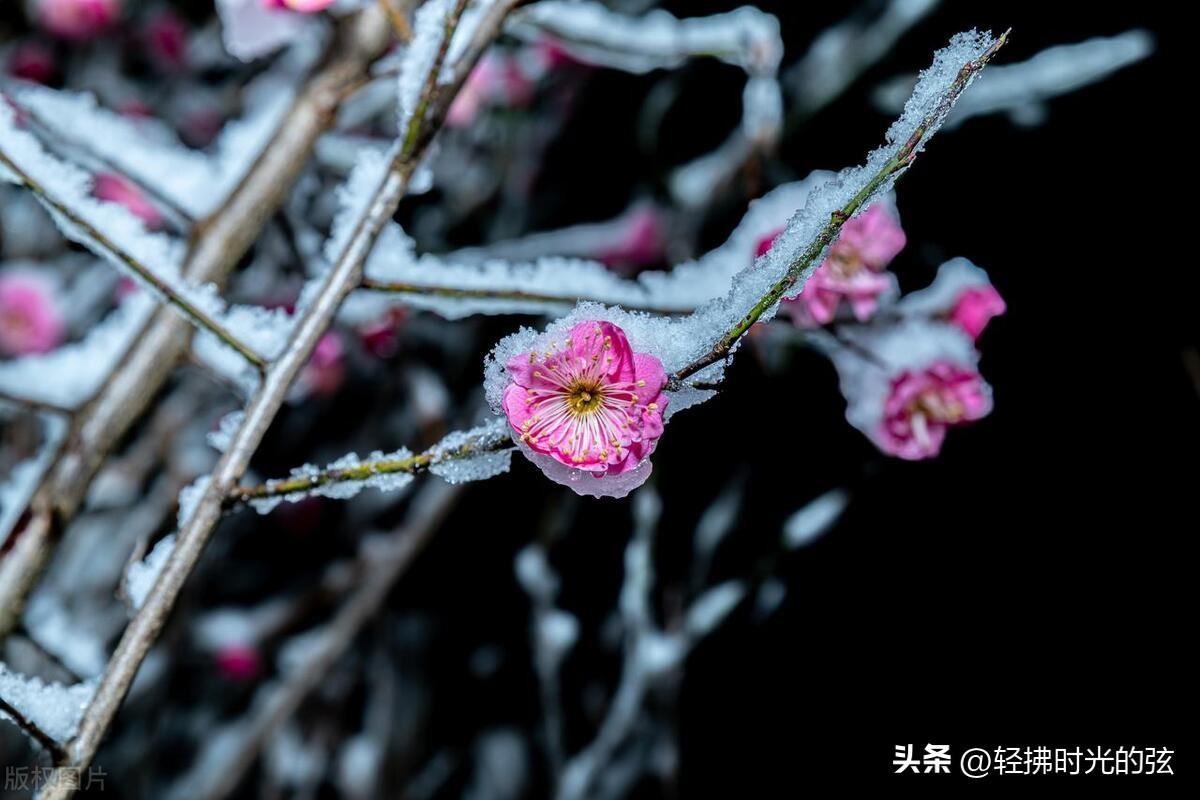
[(32, 61), (907, 384), (961, 294), (113, 188), (326, 369), (238, 662), (853, 270), (641, 240), (924, 403), (497, 80), (303, 6), (589, 402), (78, 20), (30, 318), (166, 37)]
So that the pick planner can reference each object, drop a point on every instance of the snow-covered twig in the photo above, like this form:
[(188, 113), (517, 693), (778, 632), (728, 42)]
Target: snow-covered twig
[(1022, 90), (114, 251), (344, 479), (886, 174)]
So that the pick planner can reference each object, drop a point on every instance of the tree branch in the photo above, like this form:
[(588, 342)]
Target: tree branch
[(896, 166), (410, 465), (311, 324), (48, 742), (454, 292)]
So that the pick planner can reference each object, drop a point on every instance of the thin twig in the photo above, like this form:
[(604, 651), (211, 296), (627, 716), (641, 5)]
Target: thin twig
[(398, 21), (895, 167), (48, 742), (408, 465)]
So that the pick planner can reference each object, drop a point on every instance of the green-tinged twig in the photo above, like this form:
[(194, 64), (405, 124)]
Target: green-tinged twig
[(189, 309), (895, 167), (416, 464)]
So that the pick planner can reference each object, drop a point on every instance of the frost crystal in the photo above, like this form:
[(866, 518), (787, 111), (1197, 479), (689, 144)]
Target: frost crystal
[(54, 708), (227, 426)]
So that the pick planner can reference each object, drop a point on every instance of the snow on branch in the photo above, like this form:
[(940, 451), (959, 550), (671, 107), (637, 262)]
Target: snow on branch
[(463, 456), (477, 282), (745, 37), (116, 234), (190, 180), (47, 712), (843, 52), (1021, 90), (71, 375)]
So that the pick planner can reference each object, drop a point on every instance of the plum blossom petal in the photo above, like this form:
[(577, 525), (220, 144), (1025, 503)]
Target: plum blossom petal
[(113, 188), (961, 293), (32, 61), (921, 379), (77, 20), (854, 270), (587, 405), (253, 28), (31, 320)]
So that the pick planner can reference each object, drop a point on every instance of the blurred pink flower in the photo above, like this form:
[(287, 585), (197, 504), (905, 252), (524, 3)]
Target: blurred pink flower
[(961, 293), (166, 37), (853, 270), (641, 242), (975, 308), (326, 369), (78, 20), (30, 318), (32, 61), (594, 404), (303, 6), (381, 337), (497, 80), (113, 188), (238, 662), (924, 403)]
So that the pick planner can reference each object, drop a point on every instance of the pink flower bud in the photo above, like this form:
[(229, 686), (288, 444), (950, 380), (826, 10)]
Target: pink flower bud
[(32, 61), (166, 37), (642, 240), (30, 318), (238, 662), (975, 308), (78, 20), (325, 370), (113, 188), (303, 6)]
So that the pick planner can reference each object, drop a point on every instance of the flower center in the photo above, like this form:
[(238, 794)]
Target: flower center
[(584, 396), (939, 407)]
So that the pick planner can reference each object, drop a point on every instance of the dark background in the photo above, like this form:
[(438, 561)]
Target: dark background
[(1027, 587)]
